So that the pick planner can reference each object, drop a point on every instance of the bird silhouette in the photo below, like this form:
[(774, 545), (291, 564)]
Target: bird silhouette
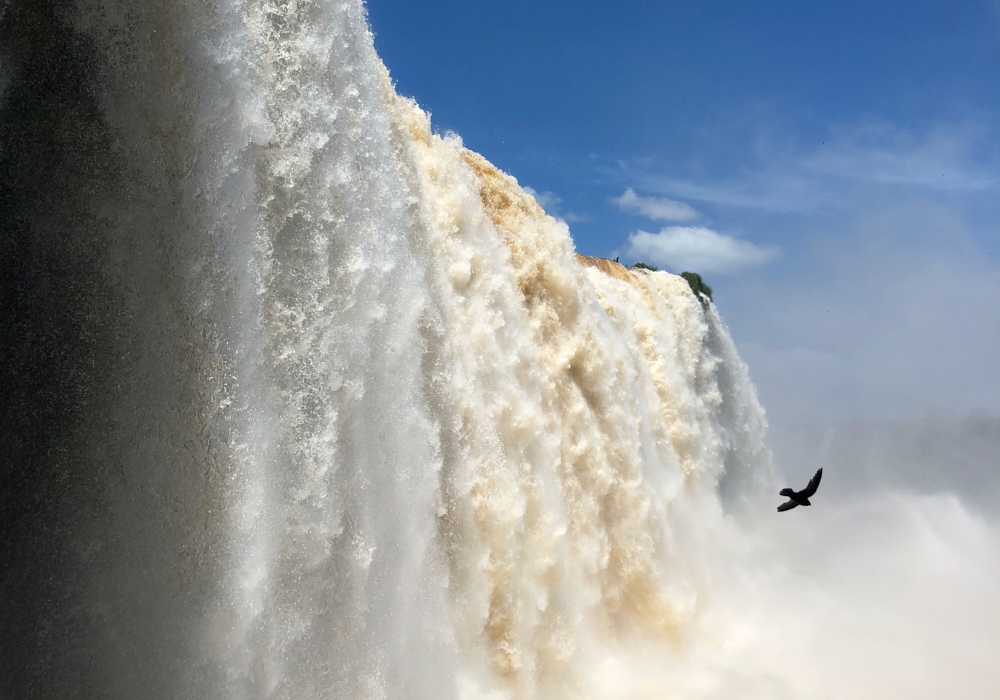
[(801, 498)]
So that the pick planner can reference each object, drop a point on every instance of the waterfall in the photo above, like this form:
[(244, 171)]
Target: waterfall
[(304, 400)]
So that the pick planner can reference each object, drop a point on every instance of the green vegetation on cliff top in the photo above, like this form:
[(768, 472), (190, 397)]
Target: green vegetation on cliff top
[(693, 279)]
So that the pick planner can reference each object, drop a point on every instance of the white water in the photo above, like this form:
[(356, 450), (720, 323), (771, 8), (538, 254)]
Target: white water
[(373, 429)]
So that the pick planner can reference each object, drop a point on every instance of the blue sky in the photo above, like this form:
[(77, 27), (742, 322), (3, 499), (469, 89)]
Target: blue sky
[(832, 169)]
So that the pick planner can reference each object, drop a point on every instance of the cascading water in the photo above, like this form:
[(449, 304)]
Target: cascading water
[(303, 400)]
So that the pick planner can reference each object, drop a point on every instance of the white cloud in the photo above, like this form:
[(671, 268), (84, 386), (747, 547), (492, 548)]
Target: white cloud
[(697, 249), (655, 208)]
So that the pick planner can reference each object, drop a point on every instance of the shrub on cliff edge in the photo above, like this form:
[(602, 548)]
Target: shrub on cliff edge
[(697, 284)]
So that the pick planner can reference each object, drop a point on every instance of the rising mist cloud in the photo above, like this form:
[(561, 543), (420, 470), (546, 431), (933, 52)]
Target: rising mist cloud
[(697, 248), (894, 314)]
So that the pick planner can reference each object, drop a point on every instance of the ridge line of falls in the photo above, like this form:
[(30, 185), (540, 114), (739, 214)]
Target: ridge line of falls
[(304, 400)]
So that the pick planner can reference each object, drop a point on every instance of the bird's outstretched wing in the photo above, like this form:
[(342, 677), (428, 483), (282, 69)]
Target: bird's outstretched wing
[(813, 484), (787, 505)]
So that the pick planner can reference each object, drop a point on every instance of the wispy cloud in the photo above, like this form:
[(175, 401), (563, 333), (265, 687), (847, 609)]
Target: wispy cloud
[(941, 160), (771, 191), (698, 249), (546, 200), (552, 203), (655, 208)]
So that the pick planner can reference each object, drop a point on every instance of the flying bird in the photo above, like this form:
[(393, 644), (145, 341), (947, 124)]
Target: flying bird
[(801, 498)]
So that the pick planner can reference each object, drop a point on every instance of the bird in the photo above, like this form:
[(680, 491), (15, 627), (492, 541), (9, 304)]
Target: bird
[(801, 498)]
